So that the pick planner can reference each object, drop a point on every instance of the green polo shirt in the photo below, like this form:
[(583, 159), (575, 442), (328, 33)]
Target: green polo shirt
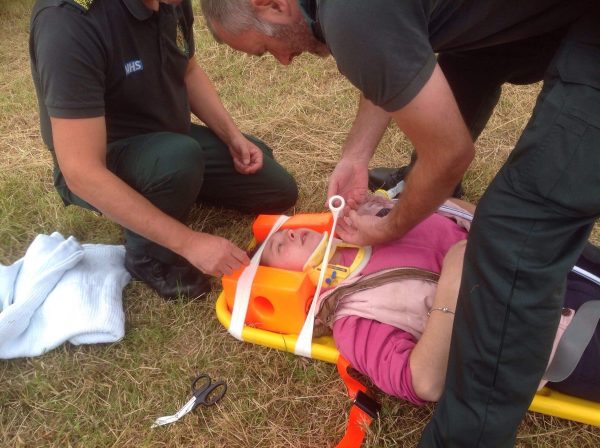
[(386, 48), (112, 58)]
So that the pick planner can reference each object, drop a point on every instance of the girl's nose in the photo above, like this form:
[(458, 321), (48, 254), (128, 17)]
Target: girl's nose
[(291, 235)]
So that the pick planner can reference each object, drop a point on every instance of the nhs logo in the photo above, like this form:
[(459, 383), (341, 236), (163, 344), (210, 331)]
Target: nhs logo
[(133, 66)]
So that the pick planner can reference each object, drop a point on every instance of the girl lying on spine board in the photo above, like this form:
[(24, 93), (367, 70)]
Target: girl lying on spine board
[(391, 307)]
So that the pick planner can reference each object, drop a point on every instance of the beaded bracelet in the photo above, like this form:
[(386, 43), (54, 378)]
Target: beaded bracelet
[(445, 310)]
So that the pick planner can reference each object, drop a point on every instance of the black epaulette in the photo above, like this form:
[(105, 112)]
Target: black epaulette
[(83, 5)]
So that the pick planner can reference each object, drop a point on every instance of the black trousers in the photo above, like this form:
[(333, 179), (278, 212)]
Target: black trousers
[(175, 171), (530, 227)]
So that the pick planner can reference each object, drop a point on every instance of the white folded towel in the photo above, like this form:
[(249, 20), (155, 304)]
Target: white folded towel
[(61, 291)]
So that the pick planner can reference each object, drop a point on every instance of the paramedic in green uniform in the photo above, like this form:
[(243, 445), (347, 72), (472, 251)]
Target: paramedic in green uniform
[(116, 80), (436, 69)]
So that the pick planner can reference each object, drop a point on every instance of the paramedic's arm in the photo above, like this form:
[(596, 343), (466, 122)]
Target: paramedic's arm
[(206, 105), (350, 176), (444, 149), (429, 358), (80, 146)]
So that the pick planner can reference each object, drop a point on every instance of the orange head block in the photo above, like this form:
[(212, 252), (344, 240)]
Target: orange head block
[(279, 299), (321, 222)]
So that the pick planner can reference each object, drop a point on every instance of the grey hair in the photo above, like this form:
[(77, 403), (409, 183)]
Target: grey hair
[(234, 16)]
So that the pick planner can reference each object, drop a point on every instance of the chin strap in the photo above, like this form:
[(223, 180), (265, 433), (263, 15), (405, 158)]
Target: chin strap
[(363, 411)]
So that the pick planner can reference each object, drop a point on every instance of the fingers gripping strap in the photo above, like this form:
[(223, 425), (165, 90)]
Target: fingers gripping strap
[(244, 286)]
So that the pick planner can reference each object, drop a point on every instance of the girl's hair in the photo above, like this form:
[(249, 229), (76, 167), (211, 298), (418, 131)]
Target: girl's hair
[(252, 251)]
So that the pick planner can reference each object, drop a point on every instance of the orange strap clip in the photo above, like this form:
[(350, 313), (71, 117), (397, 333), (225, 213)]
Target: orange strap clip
[(364, 408)]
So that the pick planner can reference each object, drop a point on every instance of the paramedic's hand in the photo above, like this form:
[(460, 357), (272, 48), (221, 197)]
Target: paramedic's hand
[(349, 179), (364, 229), (214, 255), (247, 157), (373, 204)]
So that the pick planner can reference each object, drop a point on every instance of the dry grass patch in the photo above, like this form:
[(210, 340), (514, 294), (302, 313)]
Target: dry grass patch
[(108, 396)]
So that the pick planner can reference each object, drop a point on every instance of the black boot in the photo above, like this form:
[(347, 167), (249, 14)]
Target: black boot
[(386, 178), (180, 279)]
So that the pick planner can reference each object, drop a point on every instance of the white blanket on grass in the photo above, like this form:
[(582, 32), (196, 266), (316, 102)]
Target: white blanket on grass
[(61, 291)]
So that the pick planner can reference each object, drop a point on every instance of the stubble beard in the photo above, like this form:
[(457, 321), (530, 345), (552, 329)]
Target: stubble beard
[(300, 39)]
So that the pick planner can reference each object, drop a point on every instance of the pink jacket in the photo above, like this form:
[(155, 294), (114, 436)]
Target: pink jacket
[(377, 328), (378, 317)]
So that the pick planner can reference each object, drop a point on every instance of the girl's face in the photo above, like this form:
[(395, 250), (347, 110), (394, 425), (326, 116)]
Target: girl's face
[(290, 248)]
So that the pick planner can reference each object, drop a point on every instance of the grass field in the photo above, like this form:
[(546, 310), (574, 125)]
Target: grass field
[(108, 396)]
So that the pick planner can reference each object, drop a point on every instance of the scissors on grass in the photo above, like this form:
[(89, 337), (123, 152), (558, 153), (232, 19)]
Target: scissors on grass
[(204, 391)]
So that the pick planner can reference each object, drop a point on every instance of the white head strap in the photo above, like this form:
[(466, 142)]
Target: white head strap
[(244, 286), (304, 342)]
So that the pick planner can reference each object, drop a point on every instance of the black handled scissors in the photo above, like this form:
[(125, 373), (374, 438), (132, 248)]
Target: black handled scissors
[(204, 391)]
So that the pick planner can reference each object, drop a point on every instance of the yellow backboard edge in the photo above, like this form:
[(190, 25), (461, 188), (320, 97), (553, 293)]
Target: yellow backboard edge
[(546, 401)]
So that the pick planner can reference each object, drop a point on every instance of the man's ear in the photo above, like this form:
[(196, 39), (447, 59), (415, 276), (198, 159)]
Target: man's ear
[(274, 11)]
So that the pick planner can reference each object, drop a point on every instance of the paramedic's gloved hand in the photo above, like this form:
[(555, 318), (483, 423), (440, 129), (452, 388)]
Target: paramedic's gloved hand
[(364, 229), (214, 255), (247, 157), (349, 179)]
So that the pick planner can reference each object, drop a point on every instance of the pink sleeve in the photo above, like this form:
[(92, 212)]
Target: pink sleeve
[(379, 351)]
